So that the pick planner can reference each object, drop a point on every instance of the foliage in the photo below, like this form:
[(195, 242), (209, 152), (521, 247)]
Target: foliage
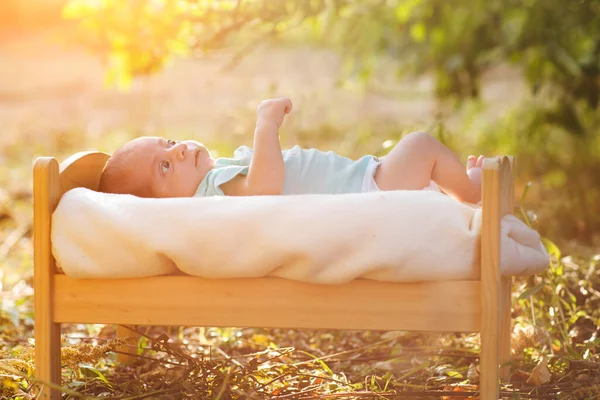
[(563, 168), (554, 44)]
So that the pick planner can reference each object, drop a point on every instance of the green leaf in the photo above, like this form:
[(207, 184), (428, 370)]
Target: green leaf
[(522, 209), (142, 344), (321, 362), (454, 374), (86, 370), (552, 248), (531, 291)]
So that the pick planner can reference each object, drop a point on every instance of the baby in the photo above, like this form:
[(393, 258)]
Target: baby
[(157, 167)]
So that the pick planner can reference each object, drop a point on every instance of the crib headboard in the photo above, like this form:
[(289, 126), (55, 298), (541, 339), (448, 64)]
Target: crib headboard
[(82, 170)]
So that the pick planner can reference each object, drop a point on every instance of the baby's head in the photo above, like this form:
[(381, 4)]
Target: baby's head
[(156, 167)]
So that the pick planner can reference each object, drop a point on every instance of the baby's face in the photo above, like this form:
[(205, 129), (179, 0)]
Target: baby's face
[(170, 168)]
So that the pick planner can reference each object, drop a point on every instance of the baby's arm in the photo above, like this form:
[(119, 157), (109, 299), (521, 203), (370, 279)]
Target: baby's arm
[(266, 173)]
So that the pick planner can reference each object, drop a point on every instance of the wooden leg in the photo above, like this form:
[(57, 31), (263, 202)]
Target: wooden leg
[(47, 357), (505, 327), (495, 339), (122, 358), (490, 348), (46, 192), (506, 296), (497, 192)]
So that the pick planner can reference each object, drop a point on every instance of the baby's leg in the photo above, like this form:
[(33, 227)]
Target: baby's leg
[(419, 158)]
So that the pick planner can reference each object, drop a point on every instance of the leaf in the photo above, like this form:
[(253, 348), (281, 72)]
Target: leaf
[(473, 373), (531, 291), (142, 345), (520, 376), (556, 345), (540, 373), (321, 362), (454, 374), (522, 209), (552, 248), (93, 370)]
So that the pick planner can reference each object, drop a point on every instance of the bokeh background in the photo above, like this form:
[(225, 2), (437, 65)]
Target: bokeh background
[(514, 77)]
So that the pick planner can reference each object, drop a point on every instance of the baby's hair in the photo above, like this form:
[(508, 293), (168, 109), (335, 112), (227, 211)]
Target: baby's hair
[(117, 176)]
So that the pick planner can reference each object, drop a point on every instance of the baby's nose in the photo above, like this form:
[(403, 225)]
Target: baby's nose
[(180, 149)]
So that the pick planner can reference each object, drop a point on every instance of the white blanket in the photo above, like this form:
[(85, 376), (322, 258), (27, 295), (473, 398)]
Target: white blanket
[(388, 236)]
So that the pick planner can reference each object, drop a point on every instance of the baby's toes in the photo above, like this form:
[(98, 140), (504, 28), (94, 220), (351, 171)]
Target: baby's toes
[(471, 162), (475, 174), (480, 161)]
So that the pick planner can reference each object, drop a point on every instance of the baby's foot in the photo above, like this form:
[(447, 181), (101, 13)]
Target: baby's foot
[(475, 173), (474, 170)]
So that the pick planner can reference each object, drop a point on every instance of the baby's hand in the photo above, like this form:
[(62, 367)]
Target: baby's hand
[(273, 110)]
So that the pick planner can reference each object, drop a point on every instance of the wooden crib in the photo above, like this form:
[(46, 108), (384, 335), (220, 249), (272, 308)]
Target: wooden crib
[(444, 306)]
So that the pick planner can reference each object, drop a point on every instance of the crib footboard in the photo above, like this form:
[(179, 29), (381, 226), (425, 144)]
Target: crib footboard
[(451, 306)]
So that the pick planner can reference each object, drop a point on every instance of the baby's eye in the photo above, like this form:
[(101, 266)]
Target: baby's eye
[(164, 167), (171, 142)]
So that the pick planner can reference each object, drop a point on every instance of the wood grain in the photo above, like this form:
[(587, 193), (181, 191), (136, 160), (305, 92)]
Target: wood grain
[(507, 194), (82, 170), (46, 193), (497, 199), (270, 302)]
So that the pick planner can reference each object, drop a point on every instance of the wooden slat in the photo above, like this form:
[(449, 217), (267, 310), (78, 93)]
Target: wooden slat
[(507, 198), (46, 193), (496, 181), (270, 302)]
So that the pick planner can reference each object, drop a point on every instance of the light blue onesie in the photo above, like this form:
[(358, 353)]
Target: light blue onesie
[(307, 171)]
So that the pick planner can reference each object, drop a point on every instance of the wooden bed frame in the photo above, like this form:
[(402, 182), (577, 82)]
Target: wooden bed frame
[(445, 306)]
